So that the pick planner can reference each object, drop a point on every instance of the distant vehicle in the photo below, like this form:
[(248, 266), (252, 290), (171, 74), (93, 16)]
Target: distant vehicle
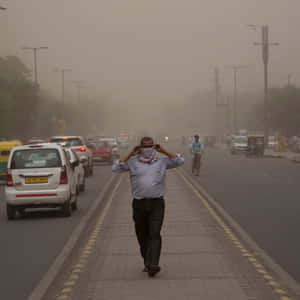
[(39, 176), (79, 145), (78, 168), (35, 141), (256, 146), (113, 143), (239, 144), (123, 142), (5, 149), (102, 152), (272, 142)]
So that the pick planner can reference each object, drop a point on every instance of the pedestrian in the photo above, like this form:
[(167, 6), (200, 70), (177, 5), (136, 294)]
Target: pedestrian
[(147, 171), (197, 149)]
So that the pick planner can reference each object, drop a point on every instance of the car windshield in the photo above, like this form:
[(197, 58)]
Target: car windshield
[(68, 141), (241, 139), (36, 158)]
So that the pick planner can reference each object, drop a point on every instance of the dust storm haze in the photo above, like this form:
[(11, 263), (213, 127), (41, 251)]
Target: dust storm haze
[(149, 63)]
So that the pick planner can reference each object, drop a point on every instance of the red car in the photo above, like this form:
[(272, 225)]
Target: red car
[(101, 151)]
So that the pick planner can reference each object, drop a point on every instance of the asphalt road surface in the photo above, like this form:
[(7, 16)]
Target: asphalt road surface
[(30, 245), (262, 195)]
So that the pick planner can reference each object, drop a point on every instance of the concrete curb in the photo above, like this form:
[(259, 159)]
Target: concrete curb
[(284, 277), (41, 289)]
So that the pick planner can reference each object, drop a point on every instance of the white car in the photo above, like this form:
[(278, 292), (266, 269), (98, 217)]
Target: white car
[(239, 144), (79, 145), (39, 175), (78, 167)]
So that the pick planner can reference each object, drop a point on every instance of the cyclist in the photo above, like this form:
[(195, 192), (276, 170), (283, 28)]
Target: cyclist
[(197, 149)]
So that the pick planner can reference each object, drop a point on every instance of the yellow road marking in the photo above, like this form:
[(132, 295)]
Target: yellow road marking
[(235, 240), (90, 245)]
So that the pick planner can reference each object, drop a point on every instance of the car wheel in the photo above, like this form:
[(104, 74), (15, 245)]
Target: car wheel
[(11, 212), (66, 208), (82, 186), (74, 204), (91, 170), (21, 212), (86, 171)]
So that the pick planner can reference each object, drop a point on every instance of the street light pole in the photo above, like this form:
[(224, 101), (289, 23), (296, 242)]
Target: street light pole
[(235, 118), (35, 49), (265, 56), (217, 94), (63, 71)]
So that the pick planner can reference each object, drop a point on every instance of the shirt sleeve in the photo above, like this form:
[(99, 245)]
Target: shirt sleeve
[(174, 162), (120, 167)]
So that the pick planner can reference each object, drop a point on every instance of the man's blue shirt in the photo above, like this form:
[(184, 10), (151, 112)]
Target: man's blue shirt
[(197, 147), (148, 179)]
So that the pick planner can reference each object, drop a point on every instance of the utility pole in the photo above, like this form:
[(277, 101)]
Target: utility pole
[(235, 117), (217, 94), (265, 44), (63, 71), (35, 49)]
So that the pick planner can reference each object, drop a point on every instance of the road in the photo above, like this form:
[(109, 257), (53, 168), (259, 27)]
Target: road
[(30, 245), (262, 195)]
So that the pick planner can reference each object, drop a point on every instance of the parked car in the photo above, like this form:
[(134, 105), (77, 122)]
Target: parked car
[(239, 144), (39, 175), (102, 152), (78, 168), (79, 145)]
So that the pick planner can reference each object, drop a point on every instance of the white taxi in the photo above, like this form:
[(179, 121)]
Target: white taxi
[(39, 175)]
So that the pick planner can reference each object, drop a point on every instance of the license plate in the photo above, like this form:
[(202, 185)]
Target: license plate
[(29, 180)]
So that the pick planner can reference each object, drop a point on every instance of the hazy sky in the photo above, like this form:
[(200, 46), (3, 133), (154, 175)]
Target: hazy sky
[(151, 50)]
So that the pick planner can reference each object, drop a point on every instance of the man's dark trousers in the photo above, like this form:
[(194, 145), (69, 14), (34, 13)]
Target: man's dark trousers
[(148, 216)]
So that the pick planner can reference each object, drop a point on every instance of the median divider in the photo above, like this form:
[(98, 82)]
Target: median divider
[(48, 279), (281, 275)]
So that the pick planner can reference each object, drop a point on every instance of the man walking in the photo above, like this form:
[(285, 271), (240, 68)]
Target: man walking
[(147, 172), (197, 149)]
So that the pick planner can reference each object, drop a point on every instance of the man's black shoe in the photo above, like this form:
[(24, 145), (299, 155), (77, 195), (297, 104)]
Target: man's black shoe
[(153, 270)]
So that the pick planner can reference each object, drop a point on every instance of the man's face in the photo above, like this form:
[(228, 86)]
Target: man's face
[(147, 144), (197, 138)]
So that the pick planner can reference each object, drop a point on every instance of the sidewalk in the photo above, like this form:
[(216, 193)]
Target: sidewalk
[(199, 260)]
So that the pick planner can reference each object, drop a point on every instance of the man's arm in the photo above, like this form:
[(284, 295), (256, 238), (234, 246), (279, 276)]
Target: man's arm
[(122, 165), (173, 160)]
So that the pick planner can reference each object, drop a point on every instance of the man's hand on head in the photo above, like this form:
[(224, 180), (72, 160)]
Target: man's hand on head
[(133, 152)]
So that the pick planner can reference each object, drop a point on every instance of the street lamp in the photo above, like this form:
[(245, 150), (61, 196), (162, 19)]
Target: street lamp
[(35, 49), (235, 71), (63, 71), (265, 55)]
